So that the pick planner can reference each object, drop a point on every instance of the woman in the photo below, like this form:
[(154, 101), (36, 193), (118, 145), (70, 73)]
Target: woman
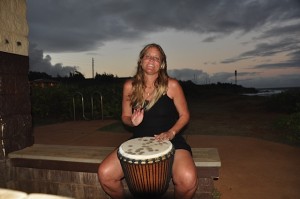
[(159, 110)]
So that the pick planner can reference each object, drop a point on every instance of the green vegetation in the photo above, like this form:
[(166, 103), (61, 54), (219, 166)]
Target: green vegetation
[(54, 103), (216, 194), (216, 109), (287, 102)]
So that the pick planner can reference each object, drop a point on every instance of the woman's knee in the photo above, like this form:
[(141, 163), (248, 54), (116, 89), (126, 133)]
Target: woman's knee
[(184, 170), (110, 169), (103, 172), (187, 178)]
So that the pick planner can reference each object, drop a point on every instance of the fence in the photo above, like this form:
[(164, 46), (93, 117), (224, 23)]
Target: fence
[(93, 107)]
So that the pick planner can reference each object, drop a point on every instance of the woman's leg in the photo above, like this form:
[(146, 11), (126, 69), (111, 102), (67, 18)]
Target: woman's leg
[(184, 175), (110, 174)]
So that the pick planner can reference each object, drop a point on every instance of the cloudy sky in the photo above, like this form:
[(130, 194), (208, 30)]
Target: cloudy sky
[(205, 40)]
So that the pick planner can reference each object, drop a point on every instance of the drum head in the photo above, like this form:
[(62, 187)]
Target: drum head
[(145, 148)]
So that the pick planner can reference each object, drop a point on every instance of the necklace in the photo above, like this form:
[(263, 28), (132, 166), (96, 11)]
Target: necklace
[(149, 91)]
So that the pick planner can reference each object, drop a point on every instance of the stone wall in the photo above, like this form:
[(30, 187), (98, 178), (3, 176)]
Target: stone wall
[(15, 112), (13, 27), (15, 106), (72, 171), (80, 184)]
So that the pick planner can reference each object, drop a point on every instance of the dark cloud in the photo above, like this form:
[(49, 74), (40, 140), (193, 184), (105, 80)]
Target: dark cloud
[(247, 79), (295, 55), (226, 77), (59, 26), (189, 74), (40, 63), (287, 64), (276, 38), (200, 77), (268, 49), (290, 80), (79, 26), (290, 30), (290, 46)]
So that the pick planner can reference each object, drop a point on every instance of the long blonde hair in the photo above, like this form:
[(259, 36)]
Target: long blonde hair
[(139, 85)]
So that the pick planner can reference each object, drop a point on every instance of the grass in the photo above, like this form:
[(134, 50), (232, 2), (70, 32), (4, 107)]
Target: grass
[(232, 115), (216, 194)]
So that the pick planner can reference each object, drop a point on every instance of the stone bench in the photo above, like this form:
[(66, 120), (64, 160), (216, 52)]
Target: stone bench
[(13, 194), (72, 170)]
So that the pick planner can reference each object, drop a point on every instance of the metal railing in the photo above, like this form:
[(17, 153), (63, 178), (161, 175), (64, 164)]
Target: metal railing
[(82, 104), (2, 137), (101, 103), (92, 104)]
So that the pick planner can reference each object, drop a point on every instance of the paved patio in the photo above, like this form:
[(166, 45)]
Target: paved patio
[(251, 168)]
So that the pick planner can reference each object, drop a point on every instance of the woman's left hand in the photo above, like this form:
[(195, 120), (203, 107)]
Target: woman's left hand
[(169, 135)]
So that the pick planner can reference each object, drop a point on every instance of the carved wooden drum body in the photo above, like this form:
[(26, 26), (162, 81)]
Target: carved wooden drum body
[(147, 165)]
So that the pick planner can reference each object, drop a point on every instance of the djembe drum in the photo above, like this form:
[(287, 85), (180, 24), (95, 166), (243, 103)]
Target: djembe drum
[(147, 165)]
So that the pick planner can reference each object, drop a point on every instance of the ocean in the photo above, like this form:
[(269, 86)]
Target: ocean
[(270, 91)]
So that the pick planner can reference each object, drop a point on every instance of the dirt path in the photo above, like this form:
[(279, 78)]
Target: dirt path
[(251, 168)]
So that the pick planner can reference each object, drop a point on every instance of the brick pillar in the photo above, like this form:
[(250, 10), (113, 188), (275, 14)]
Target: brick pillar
[(15, 112), (15, 107)]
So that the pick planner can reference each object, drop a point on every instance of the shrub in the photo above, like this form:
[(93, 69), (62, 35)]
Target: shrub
[(292, 124), (56, 103), (288, 101), (49, 102), (216, 194)]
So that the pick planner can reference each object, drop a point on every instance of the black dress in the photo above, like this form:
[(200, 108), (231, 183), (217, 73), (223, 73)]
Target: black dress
[(161, 118)]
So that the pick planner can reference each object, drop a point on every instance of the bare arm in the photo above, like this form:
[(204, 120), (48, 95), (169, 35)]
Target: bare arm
[(176, 93), (129, 118)]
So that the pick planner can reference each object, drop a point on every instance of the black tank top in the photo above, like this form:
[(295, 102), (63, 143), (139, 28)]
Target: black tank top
[(160, 118)]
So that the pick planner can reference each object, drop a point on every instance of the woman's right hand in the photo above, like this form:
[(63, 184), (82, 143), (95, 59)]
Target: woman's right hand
[(137, 116)]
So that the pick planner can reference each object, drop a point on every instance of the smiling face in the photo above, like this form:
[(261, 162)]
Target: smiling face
[(151, 61)]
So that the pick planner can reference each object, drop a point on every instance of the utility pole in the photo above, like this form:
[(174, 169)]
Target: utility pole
[(235, 74), (93, 68)]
